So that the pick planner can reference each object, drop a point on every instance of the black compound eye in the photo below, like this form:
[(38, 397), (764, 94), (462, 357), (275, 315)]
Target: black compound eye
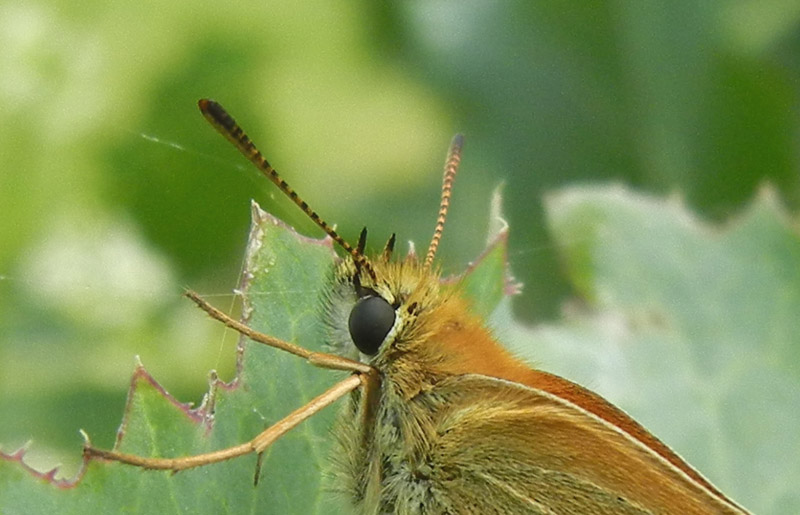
[(370, 322)]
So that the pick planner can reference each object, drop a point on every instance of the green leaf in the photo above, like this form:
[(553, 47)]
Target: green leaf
[(284, 276), (691, 328), (488, 280)]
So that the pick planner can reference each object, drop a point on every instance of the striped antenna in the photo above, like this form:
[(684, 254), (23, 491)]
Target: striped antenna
[(227, 126), (450, 170)]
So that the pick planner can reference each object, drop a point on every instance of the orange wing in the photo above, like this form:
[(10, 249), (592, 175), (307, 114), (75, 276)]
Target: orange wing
[(521, 449), (468, 348)]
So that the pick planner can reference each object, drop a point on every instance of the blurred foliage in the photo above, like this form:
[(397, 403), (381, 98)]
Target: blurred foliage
[(115, 193)]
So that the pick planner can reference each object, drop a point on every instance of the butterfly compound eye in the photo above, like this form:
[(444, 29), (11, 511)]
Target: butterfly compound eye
[(370, 322)]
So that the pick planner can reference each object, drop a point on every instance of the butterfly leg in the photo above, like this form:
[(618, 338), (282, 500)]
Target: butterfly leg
[(257, 445), (320, 359)]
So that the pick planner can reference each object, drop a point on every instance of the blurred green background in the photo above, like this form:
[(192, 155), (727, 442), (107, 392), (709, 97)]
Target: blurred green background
[(116, 194)]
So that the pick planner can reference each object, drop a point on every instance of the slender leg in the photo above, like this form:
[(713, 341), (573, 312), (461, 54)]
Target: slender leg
[(257, 444), (363, 374), (320, 359)]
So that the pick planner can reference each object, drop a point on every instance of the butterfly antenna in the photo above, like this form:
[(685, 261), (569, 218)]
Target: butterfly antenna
[(450, 170), (227, 126)]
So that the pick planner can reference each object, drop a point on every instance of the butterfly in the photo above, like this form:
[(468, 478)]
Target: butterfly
[(439, 417)]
